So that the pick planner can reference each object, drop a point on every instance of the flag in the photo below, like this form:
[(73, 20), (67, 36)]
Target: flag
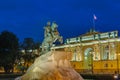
[(95, 18)]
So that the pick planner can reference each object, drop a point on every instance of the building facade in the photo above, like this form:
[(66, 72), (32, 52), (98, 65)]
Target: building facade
[(94, 52)]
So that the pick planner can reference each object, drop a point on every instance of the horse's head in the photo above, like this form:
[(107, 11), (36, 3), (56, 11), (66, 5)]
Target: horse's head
[(54, 26)]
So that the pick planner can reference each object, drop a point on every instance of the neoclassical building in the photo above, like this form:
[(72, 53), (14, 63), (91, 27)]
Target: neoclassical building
[(94, 52)]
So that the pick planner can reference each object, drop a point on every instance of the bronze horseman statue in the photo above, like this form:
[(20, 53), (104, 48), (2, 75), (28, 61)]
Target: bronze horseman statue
[(51, 35), (51, 65)]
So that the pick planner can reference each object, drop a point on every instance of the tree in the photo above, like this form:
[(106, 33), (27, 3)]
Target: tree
[(8, 50), (37, 45), (28, 45)]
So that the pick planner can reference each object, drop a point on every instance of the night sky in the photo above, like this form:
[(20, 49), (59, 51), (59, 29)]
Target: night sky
[(26, 18)]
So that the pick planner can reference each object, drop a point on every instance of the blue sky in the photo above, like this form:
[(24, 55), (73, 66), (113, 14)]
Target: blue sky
[(26, 18)]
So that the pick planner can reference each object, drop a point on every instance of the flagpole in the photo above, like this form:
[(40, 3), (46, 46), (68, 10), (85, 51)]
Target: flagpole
[(94, 18), (93, 24)]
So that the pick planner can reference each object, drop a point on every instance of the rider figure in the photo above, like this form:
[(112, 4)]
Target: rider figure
[(47, 30)]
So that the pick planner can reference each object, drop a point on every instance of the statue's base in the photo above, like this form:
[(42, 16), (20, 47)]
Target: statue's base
[(53, 65)]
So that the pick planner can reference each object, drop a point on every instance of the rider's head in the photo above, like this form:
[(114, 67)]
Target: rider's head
[(48, 23)]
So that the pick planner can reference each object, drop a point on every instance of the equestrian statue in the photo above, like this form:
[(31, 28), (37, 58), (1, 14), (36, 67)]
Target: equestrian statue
[(51, 35)]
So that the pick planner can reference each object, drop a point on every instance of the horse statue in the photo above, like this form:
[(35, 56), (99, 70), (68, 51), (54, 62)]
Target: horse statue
[(51, 35)]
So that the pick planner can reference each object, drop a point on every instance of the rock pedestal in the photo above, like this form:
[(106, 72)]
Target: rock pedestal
[(53, 65)]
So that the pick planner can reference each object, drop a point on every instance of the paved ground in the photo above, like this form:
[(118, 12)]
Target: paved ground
[(85, 76)]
